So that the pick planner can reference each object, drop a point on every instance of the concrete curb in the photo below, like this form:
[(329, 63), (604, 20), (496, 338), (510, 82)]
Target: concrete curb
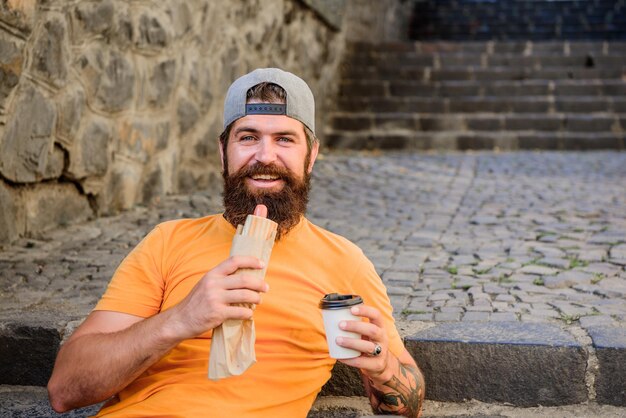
[(522, 364), (610, 348), (27, 353)]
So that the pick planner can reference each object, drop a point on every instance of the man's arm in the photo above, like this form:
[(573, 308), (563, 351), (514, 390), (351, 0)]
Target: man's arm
[(110, 349), (107, 352), (402, 393), (394, 385)]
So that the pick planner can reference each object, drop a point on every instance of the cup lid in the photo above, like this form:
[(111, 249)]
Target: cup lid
[(337, 301)]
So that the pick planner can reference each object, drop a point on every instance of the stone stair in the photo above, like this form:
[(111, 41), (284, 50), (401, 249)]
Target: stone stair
[(482, 95), (462, 20)]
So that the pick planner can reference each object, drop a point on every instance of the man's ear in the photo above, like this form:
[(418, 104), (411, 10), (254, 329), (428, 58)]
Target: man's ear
[(315, 148)]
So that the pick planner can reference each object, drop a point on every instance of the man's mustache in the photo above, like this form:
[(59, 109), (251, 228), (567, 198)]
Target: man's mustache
[(265, 169)]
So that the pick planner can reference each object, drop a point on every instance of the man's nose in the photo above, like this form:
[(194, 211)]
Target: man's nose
[(266, 153)]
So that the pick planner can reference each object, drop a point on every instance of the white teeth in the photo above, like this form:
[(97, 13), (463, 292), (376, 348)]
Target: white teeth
[(264, 177)]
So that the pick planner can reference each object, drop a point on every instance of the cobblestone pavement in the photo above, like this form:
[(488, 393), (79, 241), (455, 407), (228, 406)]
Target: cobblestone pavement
[(487, 237), (456, 237)]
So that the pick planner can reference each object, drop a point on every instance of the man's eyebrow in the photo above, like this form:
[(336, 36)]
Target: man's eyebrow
[(286, 133), (256, 131), (246, 129)]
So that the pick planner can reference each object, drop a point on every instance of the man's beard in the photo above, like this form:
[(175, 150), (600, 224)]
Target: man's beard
[(285, 206)]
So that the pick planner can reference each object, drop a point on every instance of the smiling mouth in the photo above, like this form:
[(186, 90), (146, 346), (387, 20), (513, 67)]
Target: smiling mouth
[(265, 181), (264, 177)]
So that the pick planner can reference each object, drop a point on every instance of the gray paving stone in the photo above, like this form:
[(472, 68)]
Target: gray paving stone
[(606, 269), (618, 261), (588, 288), (494, 288), (593, 255), (568, 279), (618, 252), (480, 308), (610, 345), (538, 270), (614, 287), (572, 310), (439, 297), (549, 252), (451, 309), (597, 321), (447, 316), (485, 220), (500, 306), (418, 305), (610, 306), (420, 317), (608, 237), (460, 260), (533, 318), (398, 290), (548, 238), (476, 316), (505, 298), (503, 317), (559, 263), (465, 270), (398, 302)]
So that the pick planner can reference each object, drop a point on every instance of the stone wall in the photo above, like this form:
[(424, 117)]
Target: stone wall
[(106, 104)]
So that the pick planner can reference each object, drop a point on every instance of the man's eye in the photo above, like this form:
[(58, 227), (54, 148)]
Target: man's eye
[(247, 138), (284, 139)]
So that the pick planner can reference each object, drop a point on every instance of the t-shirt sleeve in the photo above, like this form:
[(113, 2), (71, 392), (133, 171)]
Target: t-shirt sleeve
[(368, 284), (137, 286)]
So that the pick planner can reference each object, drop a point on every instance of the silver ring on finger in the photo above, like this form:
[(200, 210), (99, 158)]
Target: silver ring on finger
[(377, 350)]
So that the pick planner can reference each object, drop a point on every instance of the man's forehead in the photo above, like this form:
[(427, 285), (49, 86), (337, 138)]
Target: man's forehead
[(269, 124)]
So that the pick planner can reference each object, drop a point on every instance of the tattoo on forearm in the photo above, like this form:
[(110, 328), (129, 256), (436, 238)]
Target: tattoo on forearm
[(402, 395)]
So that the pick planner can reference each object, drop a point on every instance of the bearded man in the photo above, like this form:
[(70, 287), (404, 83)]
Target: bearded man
[(145, 347)]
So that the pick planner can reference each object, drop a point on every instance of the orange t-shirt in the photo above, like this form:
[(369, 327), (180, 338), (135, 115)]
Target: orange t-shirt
[(292, 355)]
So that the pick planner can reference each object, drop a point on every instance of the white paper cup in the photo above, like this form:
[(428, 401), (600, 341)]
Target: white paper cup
[(336, 308)]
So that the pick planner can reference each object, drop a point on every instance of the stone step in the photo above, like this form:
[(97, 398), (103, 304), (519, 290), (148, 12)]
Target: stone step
[(481, 88), (461, 20), (534, 8), (420, 73), (28, 348), (526, 47), (521, 364), (577, 59), (505, 18), (504, 32), (532, 363), (495, 104), (474, 140), (429, 122)]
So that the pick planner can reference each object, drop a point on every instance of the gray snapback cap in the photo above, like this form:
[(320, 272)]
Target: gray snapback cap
[(300, 102)]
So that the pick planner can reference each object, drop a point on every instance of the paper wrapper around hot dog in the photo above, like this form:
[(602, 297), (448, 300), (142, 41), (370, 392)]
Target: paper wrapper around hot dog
[(232, 343)]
